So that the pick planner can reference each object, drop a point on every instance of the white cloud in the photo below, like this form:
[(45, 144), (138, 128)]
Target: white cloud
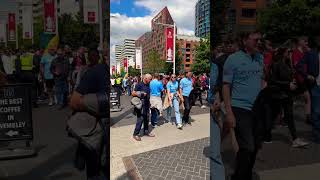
[(122, 26)]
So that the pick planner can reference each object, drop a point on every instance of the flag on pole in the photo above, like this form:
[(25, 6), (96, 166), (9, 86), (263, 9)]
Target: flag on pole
[(50, 16), (12, 27), (53, 43), (91, 11), (138, 58), (27, 22), (3, 32), (169, 44)]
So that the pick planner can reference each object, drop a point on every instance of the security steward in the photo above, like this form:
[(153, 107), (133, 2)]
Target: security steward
[(24, 72)]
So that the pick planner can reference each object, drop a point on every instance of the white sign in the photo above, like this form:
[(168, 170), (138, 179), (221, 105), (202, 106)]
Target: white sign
[(27, 22), (91, 11), (138, 59), (3, 32)]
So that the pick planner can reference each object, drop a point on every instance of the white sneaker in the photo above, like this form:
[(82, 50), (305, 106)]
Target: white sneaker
[(179, 126), (299, 143), (203, 107)]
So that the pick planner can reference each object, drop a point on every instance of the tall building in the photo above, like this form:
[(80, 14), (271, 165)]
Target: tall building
[(118, 52), (156, 39), (243, 14), (187, 46), (129, 51), (68, 7), (202, 18)]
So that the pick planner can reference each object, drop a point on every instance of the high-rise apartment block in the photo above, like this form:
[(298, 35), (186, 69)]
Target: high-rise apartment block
[(202, 18)]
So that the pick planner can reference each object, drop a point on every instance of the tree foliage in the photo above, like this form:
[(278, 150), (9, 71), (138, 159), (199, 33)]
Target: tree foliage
[(289, 18), (133, 71), (201, 63), (154, 63), (75, 33)]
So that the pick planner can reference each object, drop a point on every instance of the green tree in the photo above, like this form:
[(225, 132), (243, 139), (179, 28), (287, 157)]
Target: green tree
[(74, 32), (201, 64), (133, 71), (154, 63), (287, 19)]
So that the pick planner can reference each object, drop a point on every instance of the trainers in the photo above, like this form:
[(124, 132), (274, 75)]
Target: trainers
[(179, 126), (267, 142), (299, 143), (51, 103), (203, 107), (137, 138)]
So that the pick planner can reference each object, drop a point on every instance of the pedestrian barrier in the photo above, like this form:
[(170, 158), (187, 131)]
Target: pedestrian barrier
[(16, 121)]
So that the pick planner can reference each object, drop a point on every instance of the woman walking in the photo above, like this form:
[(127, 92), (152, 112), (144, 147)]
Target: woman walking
[(174, 94), (281, 76)]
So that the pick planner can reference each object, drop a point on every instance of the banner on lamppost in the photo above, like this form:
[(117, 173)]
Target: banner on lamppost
[(50, 16), (3, 32), (113, 70), (27, 22), (138, 59), (169, 44), (12, 27), (91, 11), (125, 64)]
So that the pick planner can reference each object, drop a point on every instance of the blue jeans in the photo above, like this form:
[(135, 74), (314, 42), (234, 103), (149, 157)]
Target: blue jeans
[(61, 88), (315, 112), (154, 116), (175, 104), (216, 165), (129, 90)]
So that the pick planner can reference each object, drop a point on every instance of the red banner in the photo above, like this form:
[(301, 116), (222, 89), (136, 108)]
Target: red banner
[(49, 16), (125, 64), (113, 69), (12, 26), (169, 44)]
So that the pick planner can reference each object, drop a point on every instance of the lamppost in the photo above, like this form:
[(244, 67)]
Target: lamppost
[(174, 43)]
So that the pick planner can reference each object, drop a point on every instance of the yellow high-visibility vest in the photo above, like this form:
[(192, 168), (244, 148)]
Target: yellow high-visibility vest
[(26, 62)]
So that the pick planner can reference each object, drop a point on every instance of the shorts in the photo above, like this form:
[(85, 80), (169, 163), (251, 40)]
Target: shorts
[(49, 83)]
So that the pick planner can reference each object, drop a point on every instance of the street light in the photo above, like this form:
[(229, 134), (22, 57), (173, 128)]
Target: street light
[(174, 43)]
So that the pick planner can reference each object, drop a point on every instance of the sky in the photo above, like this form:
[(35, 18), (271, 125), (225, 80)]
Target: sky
[(132, 18)]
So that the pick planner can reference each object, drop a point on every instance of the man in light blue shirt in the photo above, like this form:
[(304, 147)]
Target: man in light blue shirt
[(156, 87), (186, 87), (45, 66), (242, 78)]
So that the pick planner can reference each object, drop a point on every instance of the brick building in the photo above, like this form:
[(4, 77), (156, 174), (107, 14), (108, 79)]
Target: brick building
[(155, 39), (187, 45)]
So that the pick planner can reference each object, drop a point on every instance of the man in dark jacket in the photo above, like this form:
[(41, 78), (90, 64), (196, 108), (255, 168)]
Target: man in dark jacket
[(60, 71)]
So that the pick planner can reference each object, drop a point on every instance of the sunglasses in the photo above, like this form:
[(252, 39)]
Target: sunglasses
[(173, 77)]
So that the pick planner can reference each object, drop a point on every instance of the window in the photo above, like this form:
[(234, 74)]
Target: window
[(187, 65), (248, 13)]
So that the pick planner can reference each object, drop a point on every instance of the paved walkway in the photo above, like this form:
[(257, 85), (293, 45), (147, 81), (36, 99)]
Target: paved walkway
[(123, 145)]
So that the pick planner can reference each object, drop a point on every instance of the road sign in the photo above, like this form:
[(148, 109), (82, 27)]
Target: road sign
[(16, 113)]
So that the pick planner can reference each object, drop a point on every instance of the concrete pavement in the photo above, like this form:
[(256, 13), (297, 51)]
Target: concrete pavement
[(55, 150), (175, 154)]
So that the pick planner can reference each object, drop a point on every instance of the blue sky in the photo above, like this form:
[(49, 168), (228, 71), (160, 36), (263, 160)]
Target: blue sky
[(128, 8), (132, 18)]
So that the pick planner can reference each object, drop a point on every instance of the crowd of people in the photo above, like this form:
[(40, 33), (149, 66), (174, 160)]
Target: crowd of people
[(253, 87), (63, 77), (53, 74), (160, 95)]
